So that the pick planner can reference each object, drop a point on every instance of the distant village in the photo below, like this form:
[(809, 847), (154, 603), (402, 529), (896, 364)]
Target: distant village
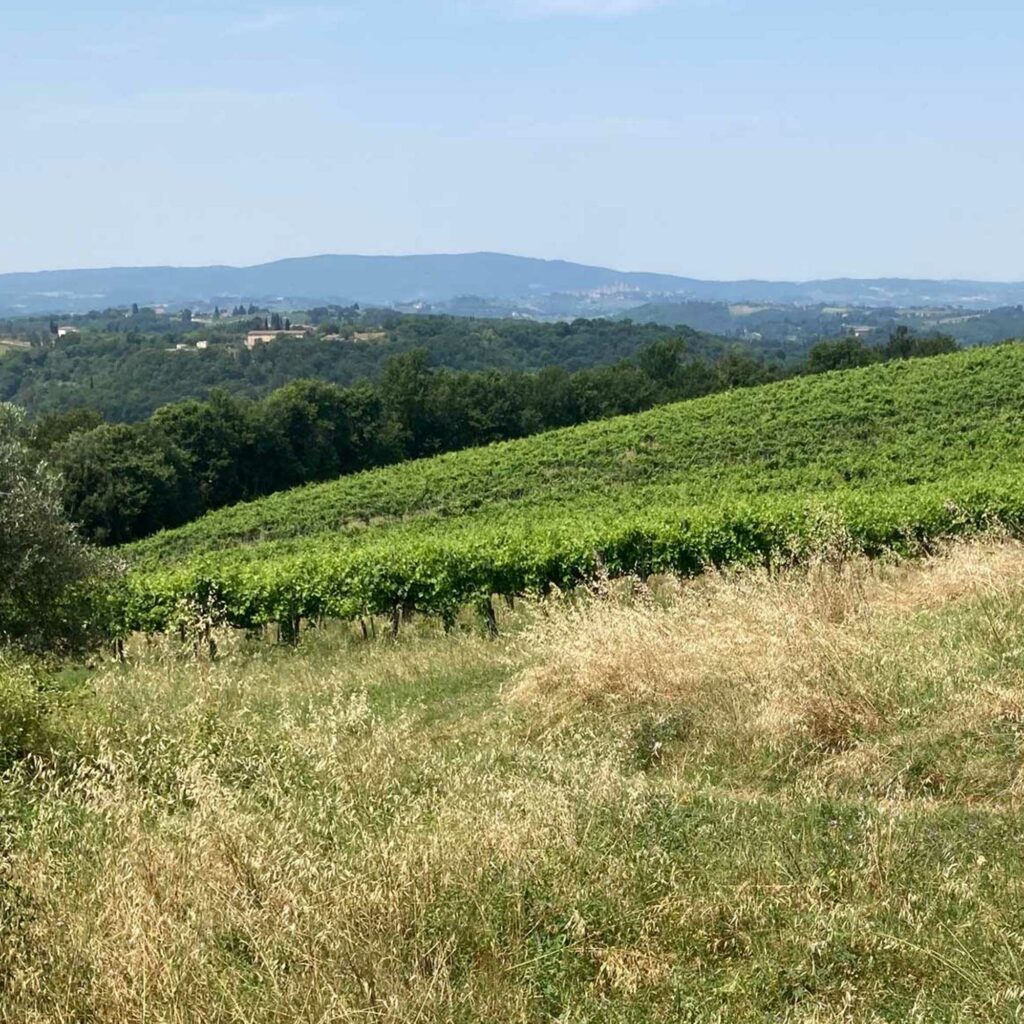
[(274, 327)]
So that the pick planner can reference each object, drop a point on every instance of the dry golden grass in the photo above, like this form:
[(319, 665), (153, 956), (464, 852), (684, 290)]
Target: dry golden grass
[(752, 656), (747, 797)]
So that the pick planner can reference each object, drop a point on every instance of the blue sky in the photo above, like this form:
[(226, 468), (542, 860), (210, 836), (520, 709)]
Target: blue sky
[(714, 138)]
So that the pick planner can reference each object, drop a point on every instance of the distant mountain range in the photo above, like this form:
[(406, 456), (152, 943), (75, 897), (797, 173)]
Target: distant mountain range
[(505, 283)]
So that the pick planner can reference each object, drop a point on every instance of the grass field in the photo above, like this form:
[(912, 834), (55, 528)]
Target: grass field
[(744, 797)]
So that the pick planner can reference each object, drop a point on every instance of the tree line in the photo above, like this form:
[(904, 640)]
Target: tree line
[(848, 353)]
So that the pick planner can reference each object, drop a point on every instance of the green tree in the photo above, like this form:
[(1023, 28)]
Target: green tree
[(935, 345), (904, 344), (842, 354), (51, 577), (219, 444), (550, 400), (662, 361), (55, 428), (739, 370), (123, 482), (320, 431), (405, 396)]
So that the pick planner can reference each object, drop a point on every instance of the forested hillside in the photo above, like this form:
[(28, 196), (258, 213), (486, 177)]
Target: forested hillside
[(126, 367), (908, 449)]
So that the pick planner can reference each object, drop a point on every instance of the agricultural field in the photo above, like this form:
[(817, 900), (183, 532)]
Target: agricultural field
[(892, 455)]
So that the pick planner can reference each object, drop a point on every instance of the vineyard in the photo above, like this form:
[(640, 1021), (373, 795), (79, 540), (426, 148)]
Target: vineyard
[(893, 454)]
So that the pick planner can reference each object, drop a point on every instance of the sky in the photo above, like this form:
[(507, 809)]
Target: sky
[(780, 139)]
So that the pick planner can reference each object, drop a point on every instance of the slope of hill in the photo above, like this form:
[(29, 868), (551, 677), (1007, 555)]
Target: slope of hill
[(890, 453), (127, 374), (434, 278)]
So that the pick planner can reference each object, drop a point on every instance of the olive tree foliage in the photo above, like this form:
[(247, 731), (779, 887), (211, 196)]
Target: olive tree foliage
[(51, 581)]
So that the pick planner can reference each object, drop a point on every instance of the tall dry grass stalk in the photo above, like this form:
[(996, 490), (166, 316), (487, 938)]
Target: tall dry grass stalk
[(754, 655)]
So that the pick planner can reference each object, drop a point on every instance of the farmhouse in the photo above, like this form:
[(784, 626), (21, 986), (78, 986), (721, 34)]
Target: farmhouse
[(254, 338), (858, 330)]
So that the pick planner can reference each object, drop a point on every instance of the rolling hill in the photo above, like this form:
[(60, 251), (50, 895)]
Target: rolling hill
[(888, 455)]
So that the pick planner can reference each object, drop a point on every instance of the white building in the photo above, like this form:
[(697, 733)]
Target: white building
[(254, 338)]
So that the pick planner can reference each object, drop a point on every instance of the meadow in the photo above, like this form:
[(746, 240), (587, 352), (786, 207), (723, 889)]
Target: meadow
[(751, 796), (896, 455)]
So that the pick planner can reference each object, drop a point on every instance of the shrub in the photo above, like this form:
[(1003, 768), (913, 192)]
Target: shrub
[(25, 706)]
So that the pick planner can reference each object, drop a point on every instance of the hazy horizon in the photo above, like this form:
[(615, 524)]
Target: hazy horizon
[(784, 140), (526, 256)]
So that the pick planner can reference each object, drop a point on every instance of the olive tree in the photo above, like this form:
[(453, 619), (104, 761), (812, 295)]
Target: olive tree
[(49, 577)]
